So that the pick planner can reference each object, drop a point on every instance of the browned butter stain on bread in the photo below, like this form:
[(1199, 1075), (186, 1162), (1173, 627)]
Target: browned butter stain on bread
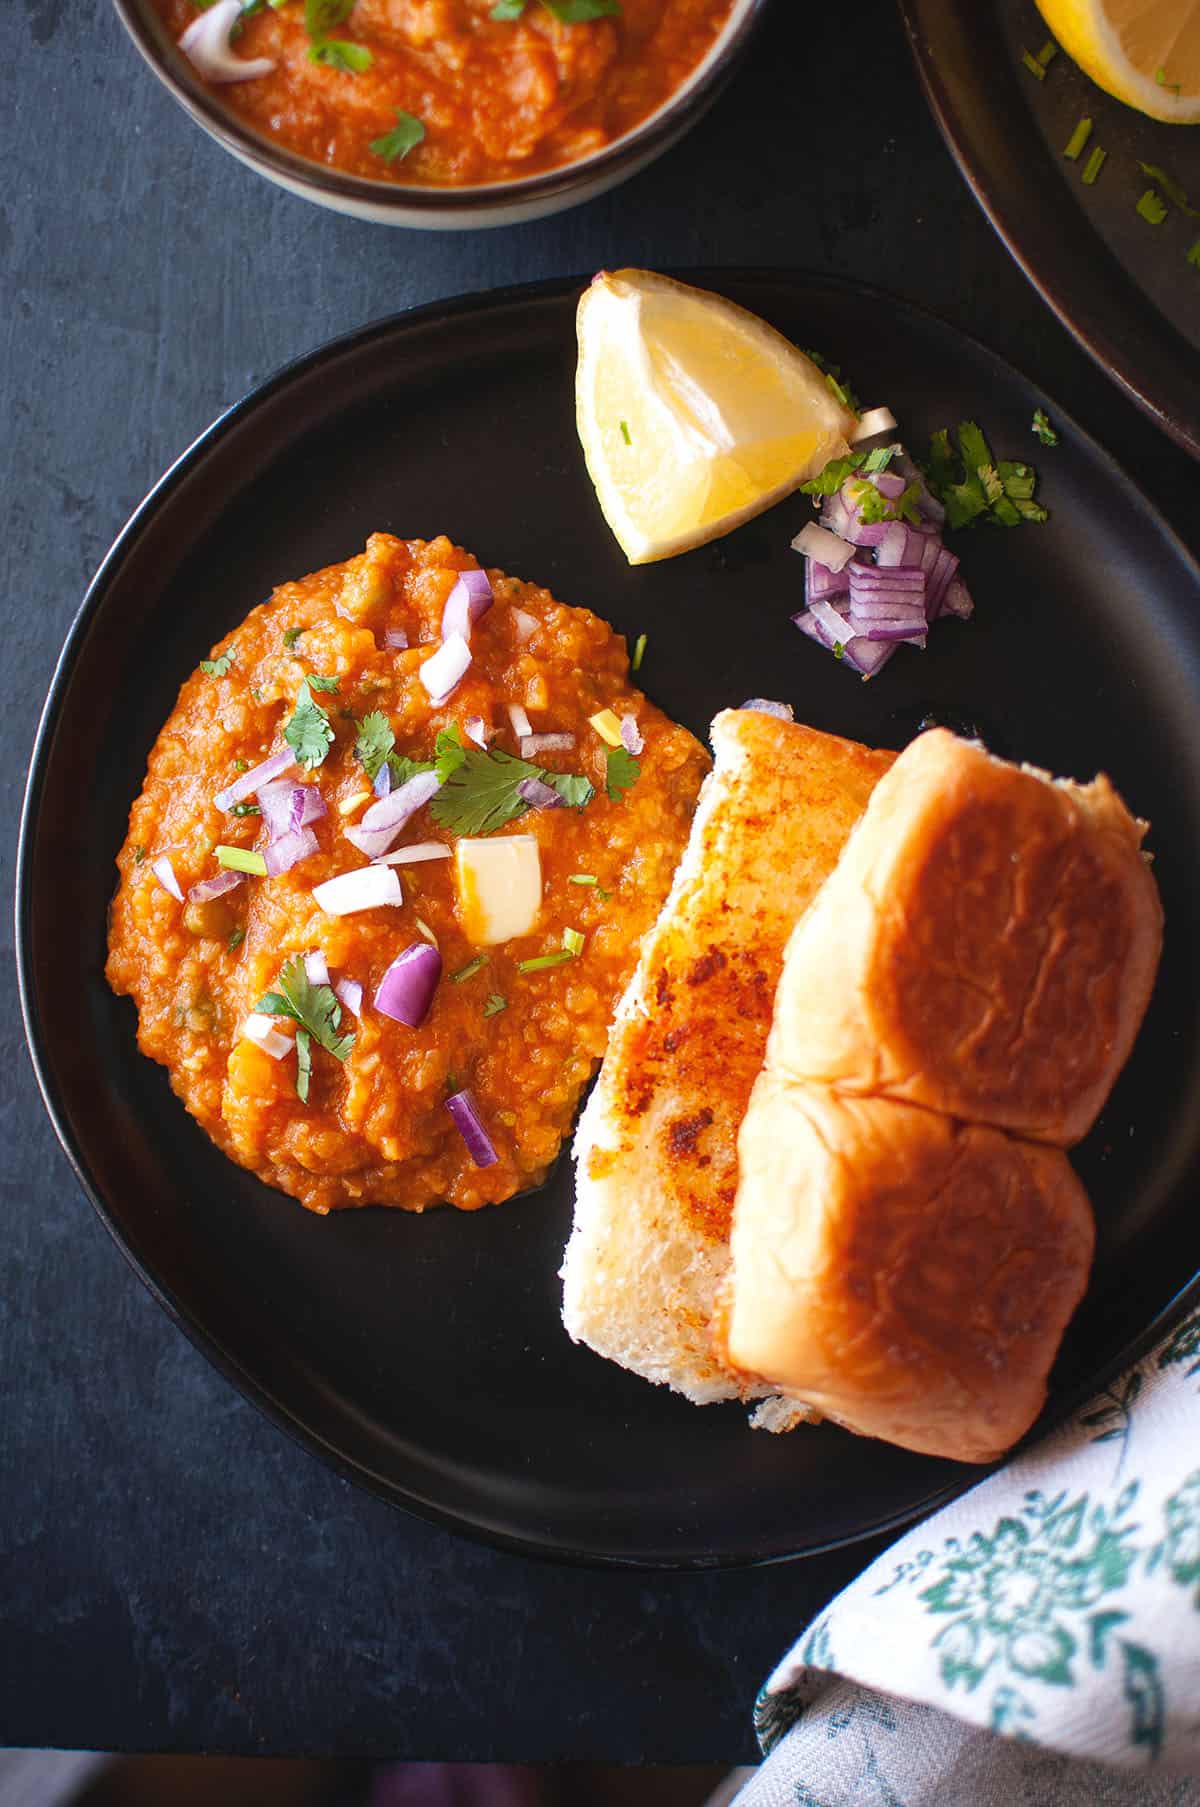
[(656, 1148), (907, 1274), (979, 962)]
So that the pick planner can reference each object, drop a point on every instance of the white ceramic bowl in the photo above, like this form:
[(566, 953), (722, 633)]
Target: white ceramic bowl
[(445, 209)]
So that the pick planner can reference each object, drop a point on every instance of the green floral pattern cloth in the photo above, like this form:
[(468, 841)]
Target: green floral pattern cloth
[(1053, 1611)]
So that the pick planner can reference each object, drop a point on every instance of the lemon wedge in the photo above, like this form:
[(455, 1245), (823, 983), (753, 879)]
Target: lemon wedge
[(693, 414), (1145, 52)]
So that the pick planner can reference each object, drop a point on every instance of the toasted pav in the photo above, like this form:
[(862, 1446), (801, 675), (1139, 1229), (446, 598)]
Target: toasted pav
[(656, 1147), (907, 1275), (986, 946)]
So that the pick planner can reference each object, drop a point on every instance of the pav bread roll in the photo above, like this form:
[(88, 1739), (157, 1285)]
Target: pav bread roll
[(656, 1147), (986, 946), (908, 1275)]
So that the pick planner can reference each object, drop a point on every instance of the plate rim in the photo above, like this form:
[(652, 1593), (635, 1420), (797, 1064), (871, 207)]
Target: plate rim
[(1045, 257), (208, 1343)]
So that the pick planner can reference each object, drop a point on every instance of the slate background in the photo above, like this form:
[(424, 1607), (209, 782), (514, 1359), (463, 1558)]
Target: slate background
[(174, 1573)]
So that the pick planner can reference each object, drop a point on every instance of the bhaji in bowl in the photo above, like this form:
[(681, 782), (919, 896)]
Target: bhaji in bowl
[(444, 113)]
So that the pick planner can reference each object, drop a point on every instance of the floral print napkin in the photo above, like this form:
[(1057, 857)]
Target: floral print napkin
[(1053, 1612)]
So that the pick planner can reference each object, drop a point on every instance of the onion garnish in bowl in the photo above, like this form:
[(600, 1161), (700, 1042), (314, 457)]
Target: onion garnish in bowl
[(463, 1109), (406, 989)]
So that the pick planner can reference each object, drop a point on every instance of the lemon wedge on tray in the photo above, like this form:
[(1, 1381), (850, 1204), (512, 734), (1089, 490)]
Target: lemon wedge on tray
[(693, 414), (1145, 52)]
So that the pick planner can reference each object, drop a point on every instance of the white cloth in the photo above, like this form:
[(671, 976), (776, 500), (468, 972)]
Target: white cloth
[(1028, 1642)]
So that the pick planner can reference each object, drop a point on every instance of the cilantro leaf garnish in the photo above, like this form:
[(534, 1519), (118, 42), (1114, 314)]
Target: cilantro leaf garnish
[(375, 741), (972, 486), (1171, 189), (1152, 208), (872, 506), (216, 668), (1041, 426), (236, 937), (291, 636), (479, 790), (320, 16), (314, 1007), (830, 480), (508, 9), (139, 853), (495, 1005), (404, 136), (621, 773), (833, 375), (317, 682), (303, 1063), (339, 53), (309, 733)]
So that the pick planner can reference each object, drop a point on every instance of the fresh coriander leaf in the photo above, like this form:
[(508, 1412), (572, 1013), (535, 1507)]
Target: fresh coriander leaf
[(320, 16), (879, 459), (303, 1063), (1000, 492), (579, 12), (449, 753), (621, 772), (1152, 208), (625, 432), (1004, 512), (404, 136), (469, 970), (975, 450), (375, 741), (339, 53), (246, 809), (235, 940), (139, 853), (291, 637), (1016, 480), (839, 651), (872, 506), (833, 375), (316, 682), (942, 465), (508, 9), (216, 668), (575, 790), (573, 941), (314, 1007), (495, 1005), (309, 733), (1171, 189), (830, 480), (1031, 511), (480, 794), (993, 489), (1042, 427), (403, 769)]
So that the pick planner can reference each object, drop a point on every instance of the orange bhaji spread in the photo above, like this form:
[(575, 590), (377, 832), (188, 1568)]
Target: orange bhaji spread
[(375, 1129), (499, 99)]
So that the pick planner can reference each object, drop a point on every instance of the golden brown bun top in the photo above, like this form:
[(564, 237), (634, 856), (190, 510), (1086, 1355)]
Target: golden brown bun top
[(909, 1276), (986, 946)]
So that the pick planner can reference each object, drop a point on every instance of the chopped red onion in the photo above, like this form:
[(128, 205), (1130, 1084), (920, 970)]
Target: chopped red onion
[(217, 886), (890, 484), (383, 821), (822, 585), (939, 581), (351, 994), (863, 656), (383, 781), (872, 423), (957, 600), (164, 872), (261, 1030), (475, 729), (463, 1109), (407, 987), (533, 744), (829, 549), (526, 624), (631, 735), (258, 774), (412, 856), (538, 795), (783, 710), (317, 968), (396, 638), (308, 806), (206, 45), (367, 888), (442, 674), (470, 598), (882, 608), (521, 724), (288, 850), (835, 625)]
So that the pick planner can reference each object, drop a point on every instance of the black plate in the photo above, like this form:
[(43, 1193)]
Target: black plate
[(1123, 287), (424, 1355)]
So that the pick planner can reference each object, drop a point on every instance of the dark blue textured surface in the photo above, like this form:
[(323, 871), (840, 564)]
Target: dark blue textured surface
[(174, 1573)]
